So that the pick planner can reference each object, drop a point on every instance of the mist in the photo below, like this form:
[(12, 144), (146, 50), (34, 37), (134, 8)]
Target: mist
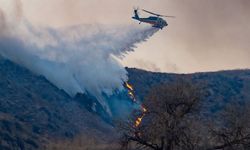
[(77, 59)]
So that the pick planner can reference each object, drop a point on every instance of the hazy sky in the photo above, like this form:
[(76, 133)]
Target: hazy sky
[(206, 35)]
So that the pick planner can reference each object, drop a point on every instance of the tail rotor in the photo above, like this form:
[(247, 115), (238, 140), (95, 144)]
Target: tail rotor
[(136, 13)]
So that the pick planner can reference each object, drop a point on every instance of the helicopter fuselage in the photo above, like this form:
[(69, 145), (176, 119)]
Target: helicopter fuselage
[(156, 22)]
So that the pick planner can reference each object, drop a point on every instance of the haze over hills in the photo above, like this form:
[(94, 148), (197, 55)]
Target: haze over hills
[(34, 110), (62, 74), (220, 87)]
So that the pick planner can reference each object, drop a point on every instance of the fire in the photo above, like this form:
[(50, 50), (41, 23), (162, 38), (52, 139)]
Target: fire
[(138, 121), (130, 87), (144, 109), (130, 91), (132, 96)]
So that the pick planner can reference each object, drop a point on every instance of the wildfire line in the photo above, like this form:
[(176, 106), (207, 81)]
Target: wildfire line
[(132, 96)]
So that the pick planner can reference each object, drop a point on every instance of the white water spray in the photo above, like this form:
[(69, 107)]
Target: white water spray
[(75, 59)]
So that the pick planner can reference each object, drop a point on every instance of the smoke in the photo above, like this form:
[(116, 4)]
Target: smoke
[(2, 21), (77, 59)]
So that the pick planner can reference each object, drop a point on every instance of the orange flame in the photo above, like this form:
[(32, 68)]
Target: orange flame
[(132, 96), (138, 121), (130, 87), (144, 109), (130, 91)]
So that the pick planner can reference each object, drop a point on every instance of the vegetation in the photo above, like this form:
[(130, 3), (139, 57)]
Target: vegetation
[(174, 122), (34, 111), (232, 131), (81, 142)]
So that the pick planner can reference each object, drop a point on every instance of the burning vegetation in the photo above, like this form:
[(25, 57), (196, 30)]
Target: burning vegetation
[(131, 94), (168, 111), (139, 119), (174, 120)]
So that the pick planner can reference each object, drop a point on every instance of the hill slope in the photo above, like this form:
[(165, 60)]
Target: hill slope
[(31, 108), (220, 87)]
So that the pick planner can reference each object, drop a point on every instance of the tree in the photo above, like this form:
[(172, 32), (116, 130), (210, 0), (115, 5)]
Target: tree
[(171, 109), (232, 130)]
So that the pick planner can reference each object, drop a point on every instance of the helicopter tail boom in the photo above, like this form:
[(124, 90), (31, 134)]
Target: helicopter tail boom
[(136, 16)]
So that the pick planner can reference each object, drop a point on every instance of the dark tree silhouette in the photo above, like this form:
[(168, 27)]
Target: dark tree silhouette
[(232, 131), (175, 120), (171, 109)]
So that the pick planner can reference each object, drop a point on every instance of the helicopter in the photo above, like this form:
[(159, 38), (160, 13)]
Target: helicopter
[(156, 20)]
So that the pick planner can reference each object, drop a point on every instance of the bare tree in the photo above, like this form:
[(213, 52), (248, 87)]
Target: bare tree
[(232, 131), (171, 109)]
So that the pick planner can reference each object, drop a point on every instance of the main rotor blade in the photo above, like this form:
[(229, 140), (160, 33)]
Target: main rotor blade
[(157, 14), (151, 12), (168, 16)]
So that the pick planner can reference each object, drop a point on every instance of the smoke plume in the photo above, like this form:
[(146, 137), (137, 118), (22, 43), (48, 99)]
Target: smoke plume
[(76, 59)]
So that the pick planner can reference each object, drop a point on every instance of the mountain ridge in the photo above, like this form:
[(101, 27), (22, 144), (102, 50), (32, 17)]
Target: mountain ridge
[(221, 87), (33, 110)]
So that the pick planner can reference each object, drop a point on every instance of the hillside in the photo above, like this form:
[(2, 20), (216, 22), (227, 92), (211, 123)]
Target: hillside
[(33, 110), (220, 87)]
